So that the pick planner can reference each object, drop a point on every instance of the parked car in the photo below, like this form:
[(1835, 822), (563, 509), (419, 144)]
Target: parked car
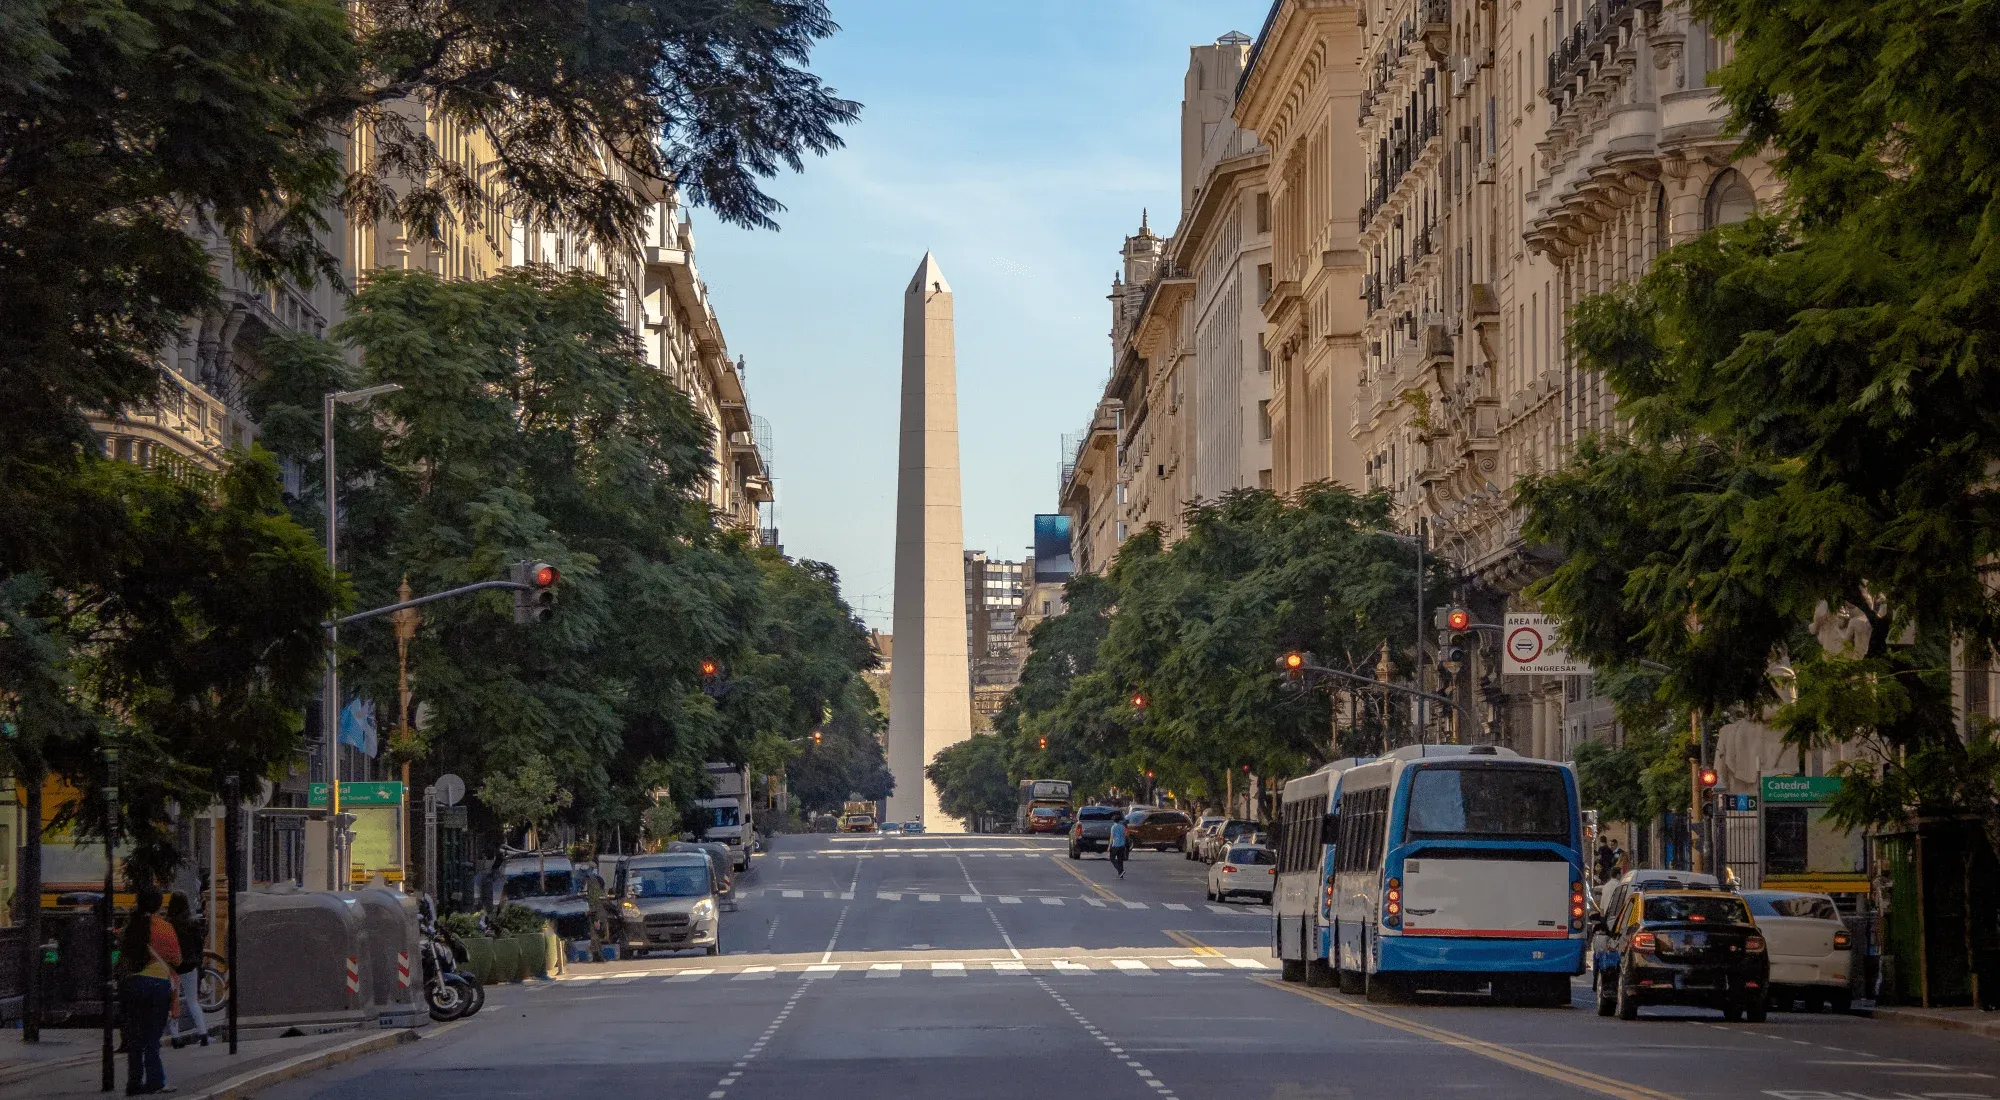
[(1048, 819), (668, 902), (890, 828), (1683, 947), (912, 828), (1809, 949), (1157, 828), (724, 867), (1092, 831), (1230, 832), (1198, 835), (1243, 869), (550, 885)]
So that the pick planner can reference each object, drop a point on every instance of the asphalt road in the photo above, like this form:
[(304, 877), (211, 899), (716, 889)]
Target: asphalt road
[(974, 967)]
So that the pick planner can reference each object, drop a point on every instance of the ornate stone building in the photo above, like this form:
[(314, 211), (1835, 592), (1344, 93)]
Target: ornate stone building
[(1300, 95)]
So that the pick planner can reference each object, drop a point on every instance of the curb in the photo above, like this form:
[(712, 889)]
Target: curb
[(248, 1083), (28, 1071), (1989, 1028)]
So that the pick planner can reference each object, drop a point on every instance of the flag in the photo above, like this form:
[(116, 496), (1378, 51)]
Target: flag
[(357, 725)]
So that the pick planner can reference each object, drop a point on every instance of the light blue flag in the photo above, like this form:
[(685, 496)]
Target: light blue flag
[(357, 725)]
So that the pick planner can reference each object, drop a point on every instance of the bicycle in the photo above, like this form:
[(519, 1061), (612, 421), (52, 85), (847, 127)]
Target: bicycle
[(212, 989)]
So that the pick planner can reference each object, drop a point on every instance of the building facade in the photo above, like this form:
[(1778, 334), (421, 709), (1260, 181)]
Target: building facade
[(995, 643)]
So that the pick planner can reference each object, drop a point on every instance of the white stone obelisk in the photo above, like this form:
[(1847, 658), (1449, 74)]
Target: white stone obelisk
[(930, 693)]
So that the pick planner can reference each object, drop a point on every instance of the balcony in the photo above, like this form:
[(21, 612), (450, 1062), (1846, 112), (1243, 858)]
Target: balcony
[(184, 424), (1599, 24)]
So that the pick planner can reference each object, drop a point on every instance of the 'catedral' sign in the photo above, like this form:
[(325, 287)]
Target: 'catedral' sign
[(1529, 647)]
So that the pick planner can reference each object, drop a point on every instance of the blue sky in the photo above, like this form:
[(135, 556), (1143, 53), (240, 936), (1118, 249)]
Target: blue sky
[(1018, 141)]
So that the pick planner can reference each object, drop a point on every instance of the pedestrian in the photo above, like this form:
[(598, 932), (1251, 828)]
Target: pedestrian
[(191, 934), (1618, 862), (148, 954), (1121, 847), (1607, 860)]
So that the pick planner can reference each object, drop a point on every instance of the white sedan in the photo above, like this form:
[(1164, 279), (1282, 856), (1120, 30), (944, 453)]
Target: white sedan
[(1808, 945), (1243, 869)]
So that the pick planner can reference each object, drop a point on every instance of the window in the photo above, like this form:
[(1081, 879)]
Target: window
[(1263, 479), (1512, 803), (1978, 698), (1263, 283), (1263, 420), (1263, 211), (1781, 905), (1730, 200), (1263, 360), (1248, 857), (1362, 819), (1719, 908), (685, 881)]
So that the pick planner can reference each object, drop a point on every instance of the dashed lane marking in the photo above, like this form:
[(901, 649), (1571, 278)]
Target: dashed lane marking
[(1110, 1045)]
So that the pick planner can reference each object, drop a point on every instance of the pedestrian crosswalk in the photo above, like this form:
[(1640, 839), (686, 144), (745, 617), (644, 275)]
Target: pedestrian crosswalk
[(999, 899), (956, 968)]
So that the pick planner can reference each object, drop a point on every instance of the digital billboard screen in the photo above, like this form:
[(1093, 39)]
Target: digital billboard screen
[(1053, 563)]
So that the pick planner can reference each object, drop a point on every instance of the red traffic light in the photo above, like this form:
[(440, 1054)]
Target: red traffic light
[(546, 575), (1458, 619), (1707, 777), (815, 737), (708, 668), (1045, 744), (1139, 699), (1295, 660)]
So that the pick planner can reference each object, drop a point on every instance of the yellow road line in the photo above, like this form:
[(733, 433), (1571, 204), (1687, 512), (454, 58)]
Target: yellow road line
[(1063, 862), (1519, 1059), (1188, 941)]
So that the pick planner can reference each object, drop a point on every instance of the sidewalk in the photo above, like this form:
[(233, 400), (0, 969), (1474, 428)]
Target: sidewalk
[(65, 1064), (1969, 1020)]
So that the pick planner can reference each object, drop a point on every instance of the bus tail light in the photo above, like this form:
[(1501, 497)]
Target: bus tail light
[(1328, 900), (1645, 941), (1576, 906), (1392, 903)]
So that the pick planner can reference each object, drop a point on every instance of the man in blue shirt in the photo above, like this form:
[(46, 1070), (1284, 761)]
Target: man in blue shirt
[(1120, 847)]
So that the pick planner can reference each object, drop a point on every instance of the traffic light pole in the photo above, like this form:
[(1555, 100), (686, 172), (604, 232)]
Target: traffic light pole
[(389, 609), (1420, 695)]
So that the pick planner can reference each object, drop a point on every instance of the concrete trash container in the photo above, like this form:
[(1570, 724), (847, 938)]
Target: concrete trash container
[(302, 966), (394, 965)]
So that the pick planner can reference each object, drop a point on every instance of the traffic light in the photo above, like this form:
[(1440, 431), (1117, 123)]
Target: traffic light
[(1458, 620), (1139, 700), (816, 737), (1294, 667), (535, 602), (1707, 777), (1045, 744), (711, 678)]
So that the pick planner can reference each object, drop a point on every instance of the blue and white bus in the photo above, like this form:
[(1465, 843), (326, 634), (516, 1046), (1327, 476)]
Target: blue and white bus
[(1302, 924), (1457, 868)]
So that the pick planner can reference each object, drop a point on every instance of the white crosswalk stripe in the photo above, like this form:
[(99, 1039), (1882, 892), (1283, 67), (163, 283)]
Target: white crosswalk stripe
[(1052, 901), (1248, 964), (1131, 966), (817, 969), (1005, 900), (948, 970), (886, 970), (973, 898), (927, 897), (1009, 966), (1068, 967), (795, 893), (1135, 905), (1176, 907), (1137, 967), (690, 975), (1093, 903), (885, 895), (755, 973)]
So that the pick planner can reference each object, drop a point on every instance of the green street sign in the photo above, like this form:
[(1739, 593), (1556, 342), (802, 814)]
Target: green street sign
[(1800, 788), (358, 794)]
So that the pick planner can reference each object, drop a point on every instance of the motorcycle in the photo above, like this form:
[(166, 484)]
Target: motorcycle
[(451, 993)]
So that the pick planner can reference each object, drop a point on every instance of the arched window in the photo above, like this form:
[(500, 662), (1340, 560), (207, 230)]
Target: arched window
[(1730, 199)]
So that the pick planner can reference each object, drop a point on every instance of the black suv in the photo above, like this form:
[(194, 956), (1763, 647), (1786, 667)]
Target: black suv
[(1683, 947)]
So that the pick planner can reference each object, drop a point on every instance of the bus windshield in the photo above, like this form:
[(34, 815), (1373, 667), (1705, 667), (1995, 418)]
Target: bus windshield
[(1488, 804), (1048, 789), (722, 817)]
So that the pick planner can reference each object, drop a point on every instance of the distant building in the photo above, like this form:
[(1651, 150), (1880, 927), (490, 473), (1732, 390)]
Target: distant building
[(995, 644)]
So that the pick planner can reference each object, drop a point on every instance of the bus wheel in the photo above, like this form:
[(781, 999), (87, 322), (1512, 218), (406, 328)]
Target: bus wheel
[(1293, 970), (1318, 974), (1352, 983)]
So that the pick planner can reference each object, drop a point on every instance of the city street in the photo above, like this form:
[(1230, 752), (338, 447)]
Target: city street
[(995, 967)]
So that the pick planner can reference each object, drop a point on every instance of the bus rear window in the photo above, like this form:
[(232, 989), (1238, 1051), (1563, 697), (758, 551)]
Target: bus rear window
[(1488, 804)]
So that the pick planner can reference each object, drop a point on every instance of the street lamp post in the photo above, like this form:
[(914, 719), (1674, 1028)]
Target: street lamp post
[(107, 1071), (330, 705)]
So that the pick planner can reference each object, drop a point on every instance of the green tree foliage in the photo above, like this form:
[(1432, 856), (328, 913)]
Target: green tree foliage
[(183, 628), (1812, 409), (972, 779), (530, 426), (1196, 629)]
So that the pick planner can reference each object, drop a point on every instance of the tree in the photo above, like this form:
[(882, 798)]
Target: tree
[(1813, 421), (972, 779), (1195, 628)]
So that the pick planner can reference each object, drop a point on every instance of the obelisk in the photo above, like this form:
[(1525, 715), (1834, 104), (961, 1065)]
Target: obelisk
[(930, 693)]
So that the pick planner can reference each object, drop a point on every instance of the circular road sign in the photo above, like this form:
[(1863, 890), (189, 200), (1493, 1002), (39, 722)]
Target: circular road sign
[(450, 789), (1525, 644)]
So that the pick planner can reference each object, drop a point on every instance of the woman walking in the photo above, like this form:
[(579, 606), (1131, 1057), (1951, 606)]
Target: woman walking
[(148, 953), (187, 976)]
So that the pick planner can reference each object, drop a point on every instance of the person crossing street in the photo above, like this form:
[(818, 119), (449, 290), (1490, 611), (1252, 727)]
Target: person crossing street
[(1121, 847)]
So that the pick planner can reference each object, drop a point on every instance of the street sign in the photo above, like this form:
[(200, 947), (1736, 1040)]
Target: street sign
[(1800, 788), (450, 789), (1739, 802), (358, 794), (1529, 647)]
